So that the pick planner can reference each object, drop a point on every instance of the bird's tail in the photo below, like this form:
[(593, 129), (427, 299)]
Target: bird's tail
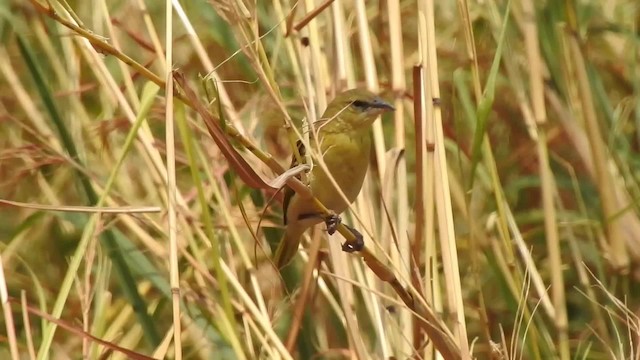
[(288, 246)]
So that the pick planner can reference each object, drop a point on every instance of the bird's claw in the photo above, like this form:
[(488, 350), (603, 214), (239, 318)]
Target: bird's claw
[(357, 244), (332, 221)]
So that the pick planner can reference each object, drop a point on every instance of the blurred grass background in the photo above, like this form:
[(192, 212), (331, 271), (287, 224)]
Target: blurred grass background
[(503, 194)]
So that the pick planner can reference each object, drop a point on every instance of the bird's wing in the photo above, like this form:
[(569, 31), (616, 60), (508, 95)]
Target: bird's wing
[(288, 192)]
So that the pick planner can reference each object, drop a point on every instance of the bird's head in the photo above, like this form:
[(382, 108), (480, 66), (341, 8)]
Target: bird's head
[(357, 107)]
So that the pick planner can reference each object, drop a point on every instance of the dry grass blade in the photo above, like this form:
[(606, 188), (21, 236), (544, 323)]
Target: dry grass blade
[(310, 16), (500, 191), (101, 45), (239, 164), (428, 320), (87, 209), (79, 332)]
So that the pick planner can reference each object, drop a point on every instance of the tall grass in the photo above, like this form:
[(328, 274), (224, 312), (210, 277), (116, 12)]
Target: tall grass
[(143, 144)]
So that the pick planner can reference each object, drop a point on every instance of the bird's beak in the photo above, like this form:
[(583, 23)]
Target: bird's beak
[(381, 105)]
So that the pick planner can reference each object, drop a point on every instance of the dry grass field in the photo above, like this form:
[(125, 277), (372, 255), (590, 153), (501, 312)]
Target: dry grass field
[(143, 149)]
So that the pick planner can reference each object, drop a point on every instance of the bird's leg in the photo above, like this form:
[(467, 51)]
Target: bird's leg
[(353, 246)]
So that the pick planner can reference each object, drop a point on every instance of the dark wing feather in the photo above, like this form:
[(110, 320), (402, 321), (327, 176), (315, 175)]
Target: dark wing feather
[(288, 193)]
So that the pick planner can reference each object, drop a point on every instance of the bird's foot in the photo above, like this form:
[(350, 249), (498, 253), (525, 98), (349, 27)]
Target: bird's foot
[(357, 244), (332, 221)]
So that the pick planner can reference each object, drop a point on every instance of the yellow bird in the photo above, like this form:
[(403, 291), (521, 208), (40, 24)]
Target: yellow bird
[(344, 140)]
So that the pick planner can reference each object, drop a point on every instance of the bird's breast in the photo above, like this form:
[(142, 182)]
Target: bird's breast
[(346, 156)]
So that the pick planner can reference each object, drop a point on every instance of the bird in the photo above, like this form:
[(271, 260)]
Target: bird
[(343, 138)]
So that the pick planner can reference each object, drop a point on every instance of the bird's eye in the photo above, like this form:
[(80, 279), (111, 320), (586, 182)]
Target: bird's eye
[(360, 105)]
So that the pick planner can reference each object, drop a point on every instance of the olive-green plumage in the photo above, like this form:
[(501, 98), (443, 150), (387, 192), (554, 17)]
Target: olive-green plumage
[(344, 140)]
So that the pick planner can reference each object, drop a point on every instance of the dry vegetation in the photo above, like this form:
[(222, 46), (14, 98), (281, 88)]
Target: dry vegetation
[(500, 213)]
